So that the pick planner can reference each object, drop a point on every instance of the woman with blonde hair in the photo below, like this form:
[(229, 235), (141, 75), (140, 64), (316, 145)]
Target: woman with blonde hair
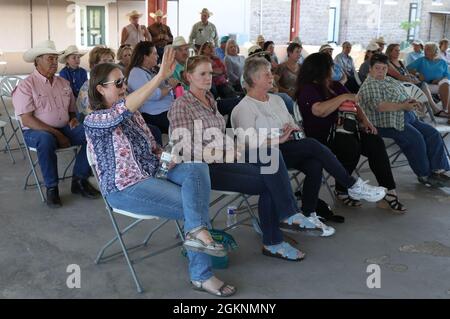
[(234, 64)]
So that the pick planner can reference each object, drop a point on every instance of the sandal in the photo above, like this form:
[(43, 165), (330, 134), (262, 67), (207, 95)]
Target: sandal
[(193, 243), (283, 251), (347, 200), (392, 204), (221, 292), (324, 211), (441, 113), (298, 222)]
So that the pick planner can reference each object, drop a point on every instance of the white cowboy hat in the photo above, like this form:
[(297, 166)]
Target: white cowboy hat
[(325, 47), (179, 42), (204, 10), (380, 40), (372, 47), (418, 42), (71, 49), (260, 38), (134, 13), (45, 47), (158, 13)]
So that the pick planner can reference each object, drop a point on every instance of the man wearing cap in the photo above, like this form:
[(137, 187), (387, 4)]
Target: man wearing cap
[(46, 107), (72, 72), (181, 55), (160, 32), (204, 31), (346, 62), (134, 33), (338, 73), (220, 51), (416, 53), (260, 41)]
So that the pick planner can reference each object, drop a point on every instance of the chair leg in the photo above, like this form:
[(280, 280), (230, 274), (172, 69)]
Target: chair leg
[(33, 171), (68, 165), (125, 253), (7, 146), (147, 239), (255, 220)]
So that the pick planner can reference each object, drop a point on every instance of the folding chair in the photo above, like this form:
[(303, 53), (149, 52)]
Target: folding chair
[(125, 250), (244, 206), (34, 163), (3, 135), (7, 85)]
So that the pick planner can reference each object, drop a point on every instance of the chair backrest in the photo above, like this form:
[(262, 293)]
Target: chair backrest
[(417, 94), (297, 114), (7, 86)]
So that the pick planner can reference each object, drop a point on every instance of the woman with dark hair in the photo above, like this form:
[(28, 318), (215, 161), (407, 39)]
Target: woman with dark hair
[(288, 71), (344, 127), (269, 47), (126, 159), (139, 72)]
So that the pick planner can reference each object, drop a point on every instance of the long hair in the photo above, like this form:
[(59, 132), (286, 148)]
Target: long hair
[(137, 58), (316, 69), (99, 75)]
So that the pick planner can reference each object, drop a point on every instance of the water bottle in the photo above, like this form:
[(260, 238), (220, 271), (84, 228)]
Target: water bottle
[(166, 158), (231, 216)]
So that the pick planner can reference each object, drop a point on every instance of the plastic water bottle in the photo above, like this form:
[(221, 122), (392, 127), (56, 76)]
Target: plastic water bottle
[(300, 133), (178, 90), (166, 158), (231, 216)]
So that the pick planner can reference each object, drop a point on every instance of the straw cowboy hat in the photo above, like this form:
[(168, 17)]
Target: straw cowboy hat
[(134, 13), (71, 49), (418, 42), (325, 47), (158, 13), (204, 10), (380, 40), (260, 39), (179, 42), (372, 47), (44, 47)]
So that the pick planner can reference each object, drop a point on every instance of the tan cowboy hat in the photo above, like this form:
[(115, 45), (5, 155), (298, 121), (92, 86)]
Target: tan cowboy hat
[(71, 49), (134, 13), (45, 47), (325, 47), (260, 39), (372, 47), (380, 40), (204, 10), (179, 42), (158, 13)]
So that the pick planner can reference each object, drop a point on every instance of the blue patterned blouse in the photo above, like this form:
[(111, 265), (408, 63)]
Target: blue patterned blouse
[(122, 147)]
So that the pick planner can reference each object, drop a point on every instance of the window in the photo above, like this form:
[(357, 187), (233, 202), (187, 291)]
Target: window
[(437, 2), (413, 14)]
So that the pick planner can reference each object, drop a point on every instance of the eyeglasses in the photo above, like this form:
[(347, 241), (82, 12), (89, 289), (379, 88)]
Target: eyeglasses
[(191, 59), (118, 83)]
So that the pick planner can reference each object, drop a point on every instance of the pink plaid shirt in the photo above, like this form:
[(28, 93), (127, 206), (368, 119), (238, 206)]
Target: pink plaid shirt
[(49, 102)]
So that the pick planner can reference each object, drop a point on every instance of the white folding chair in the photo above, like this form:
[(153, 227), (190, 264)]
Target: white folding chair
[(3, 135), (34, 163), (125, 250), (7, 86)]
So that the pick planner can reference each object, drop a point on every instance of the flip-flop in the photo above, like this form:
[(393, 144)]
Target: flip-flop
[(283, 251)]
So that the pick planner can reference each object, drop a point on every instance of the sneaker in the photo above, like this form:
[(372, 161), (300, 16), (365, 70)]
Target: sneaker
[(362, 190), (326, 230), (430, 181)]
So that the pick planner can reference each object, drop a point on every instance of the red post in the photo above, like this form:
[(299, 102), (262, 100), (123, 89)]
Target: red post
[(295, 19)]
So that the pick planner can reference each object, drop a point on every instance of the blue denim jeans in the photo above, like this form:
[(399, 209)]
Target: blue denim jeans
[(184, 196), (421, 143), (46, 145)]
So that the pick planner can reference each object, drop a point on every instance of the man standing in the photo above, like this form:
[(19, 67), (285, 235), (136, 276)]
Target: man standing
[(160, 32), (46, 107), (204, 31), (134, 33)]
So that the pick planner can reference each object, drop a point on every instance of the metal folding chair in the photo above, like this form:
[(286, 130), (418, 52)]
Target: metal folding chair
[(126, 250), (34, 163), (243, 206), (3, 135), (7, 85)]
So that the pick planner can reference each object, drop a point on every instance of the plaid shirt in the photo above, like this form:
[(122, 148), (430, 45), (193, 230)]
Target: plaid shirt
[(187, 109), (373, 92)]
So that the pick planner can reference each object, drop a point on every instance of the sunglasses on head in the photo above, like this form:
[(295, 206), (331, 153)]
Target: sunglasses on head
[(118, 83)]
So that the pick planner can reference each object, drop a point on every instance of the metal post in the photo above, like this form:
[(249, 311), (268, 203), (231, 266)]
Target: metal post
[(429, 30), (260, 16), (48, 18), (379, 18), (31, 21), (117, 22)]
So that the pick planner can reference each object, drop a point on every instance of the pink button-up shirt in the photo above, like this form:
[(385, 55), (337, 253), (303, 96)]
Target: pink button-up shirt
[(49, 102)]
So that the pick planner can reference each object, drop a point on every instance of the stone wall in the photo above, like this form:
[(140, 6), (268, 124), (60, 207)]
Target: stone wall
[(276, 19)]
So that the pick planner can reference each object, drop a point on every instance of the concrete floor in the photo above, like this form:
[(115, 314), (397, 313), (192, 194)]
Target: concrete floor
[(38, 244)]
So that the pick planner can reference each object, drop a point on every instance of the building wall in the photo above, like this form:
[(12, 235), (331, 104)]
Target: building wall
[(276, 19), (437, 28), (314, 21)]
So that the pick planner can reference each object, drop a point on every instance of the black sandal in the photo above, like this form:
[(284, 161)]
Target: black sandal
[(347, 200), (439, 114), (394, 205)]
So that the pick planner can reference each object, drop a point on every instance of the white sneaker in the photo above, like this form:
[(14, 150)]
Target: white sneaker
[(326, 230), (361, 190)]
